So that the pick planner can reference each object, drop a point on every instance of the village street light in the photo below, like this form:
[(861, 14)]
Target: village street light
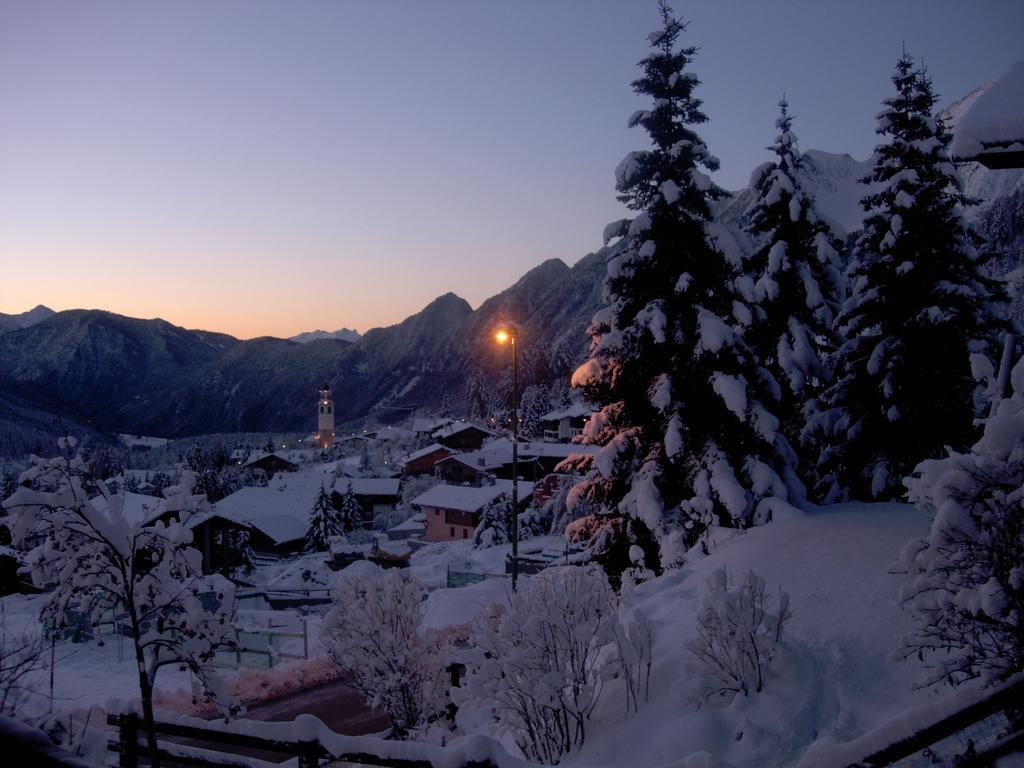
[(509, 334)]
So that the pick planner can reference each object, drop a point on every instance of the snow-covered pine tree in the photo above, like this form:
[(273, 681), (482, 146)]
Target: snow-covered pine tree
[(323, 523), (923, 308), (799, 284), (495, 524), (350, 511), (685, 423), (535, 403)]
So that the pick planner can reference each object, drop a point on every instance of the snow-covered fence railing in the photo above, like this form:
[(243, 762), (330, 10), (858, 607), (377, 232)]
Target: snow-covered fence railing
[(971, 728), (305, 738)]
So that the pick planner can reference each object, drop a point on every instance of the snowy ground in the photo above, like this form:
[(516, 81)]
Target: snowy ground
[(834, 682)]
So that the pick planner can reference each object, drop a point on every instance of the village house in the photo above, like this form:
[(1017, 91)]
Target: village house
[(272, 463), (463, 436), (422, 462), (563, 425), (376, 495), (453, 512)]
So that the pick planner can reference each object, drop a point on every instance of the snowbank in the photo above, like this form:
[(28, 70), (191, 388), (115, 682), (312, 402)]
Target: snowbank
[(834, 680)]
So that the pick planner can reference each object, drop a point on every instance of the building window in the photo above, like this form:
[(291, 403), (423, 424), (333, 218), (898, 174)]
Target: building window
[(465, 533), (451, 531)]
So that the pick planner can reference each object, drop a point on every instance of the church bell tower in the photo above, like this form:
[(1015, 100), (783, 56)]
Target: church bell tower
[(325, 419)]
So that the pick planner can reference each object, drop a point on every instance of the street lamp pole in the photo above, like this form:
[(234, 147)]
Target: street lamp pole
[(511, 334), (515, 461)]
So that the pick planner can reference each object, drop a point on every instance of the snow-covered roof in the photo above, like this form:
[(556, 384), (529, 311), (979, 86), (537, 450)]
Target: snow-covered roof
[(279, 454), (497, 453), (368, 486), (432, 448), (457, 427), (995, 118), (421, 424), (280, 511), (415, 523), (464, 499), (572, 412)]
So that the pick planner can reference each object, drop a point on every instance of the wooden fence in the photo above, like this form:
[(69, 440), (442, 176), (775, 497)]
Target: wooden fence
[(974, 736), (220, 745)]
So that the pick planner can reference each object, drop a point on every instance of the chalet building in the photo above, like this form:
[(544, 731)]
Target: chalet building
[(422, 462), (452, 512), (563, 425), (272, 463), (536, 459), (462, 469), (376, 495), (463, 436)]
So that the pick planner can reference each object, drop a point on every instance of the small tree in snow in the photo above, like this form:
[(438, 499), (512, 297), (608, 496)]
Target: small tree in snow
[(99, 564), (373, 634), (966, 588), (737, 635), (323, 523), (350, 511), (541, 667), (634, 641), (20, 657), (8, 485), (495, 524)]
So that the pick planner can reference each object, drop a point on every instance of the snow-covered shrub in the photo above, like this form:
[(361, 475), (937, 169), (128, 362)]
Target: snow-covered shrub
[(634, 641), (20, 656), (99, 564), (966, 586), (541, 667), (738, 635), (373, 634)]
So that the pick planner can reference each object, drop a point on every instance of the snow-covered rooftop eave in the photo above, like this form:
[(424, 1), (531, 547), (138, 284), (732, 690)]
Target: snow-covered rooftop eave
[(999, 156)]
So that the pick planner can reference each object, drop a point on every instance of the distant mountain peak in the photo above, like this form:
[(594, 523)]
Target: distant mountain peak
[(37, 314), (342, 334)]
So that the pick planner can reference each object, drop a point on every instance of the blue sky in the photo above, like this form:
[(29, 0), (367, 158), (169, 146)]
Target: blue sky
[(271, 167)]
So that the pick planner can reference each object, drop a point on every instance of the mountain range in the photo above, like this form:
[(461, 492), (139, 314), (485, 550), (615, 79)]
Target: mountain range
[(102, 372)]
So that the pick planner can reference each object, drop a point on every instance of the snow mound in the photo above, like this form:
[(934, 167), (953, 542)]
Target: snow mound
[(834, 680)]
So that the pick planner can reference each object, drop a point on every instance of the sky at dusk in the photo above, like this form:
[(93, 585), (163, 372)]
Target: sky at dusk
[(268, 168)]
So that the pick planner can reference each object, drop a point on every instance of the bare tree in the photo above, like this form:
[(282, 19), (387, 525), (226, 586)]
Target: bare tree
[(20, 656), (541, 665), (373, 634)]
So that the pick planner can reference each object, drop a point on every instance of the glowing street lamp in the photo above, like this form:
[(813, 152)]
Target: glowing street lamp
[(509, 334)]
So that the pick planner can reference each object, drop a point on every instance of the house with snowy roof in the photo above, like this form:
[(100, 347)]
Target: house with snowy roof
[(422, 462), (463, 436), (562, 425), (452, 512), (427, 426), (413, 528), (272, 463), (535, 460), (991, 132), (376, 495)]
